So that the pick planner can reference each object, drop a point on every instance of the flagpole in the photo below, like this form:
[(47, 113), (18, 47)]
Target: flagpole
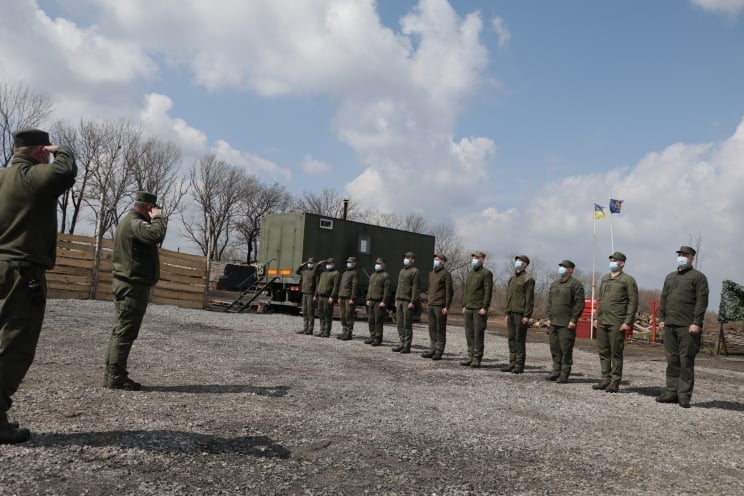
[(612, 234), (594, 269)]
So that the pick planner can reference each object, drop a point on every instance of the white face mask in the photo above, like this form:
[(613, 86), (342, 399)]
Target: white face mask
[(475, 263), (518, 265), (329, 266), (378, 267), (437, 264), (562, 270), (614, 266), (683, 262), (310, 266), (406, 262), (349, 265)]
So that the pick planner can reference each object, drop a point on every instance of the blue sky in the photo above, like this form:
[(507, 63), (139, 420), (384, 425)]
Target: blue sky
[(502, 118)]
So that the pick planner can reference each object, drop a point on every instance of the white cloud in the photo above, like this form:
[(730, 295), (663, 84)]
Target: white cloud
[(156, 120), (671, 197), (252, 164), (314, 167), (732, 7), (502, 31)]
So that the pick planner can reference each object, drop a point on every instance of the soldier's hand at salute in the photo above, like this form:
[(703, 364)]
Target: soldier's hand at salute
[(154, 212), (51, 148)]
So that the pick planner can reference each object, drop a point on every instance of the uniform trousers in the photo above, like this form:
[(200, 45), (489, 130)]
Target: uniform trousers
[(437, 328), (404, 318), (517, 338), (308, 313), (325, 312), (375, 319), (562, 341), (475, 330), (22, 306), (131, 304), (346, 311), (610, 345), (680, 347)]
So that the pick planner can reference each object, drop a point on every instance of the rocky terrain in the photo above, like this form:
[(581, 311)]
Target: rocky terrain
[(240, 404)]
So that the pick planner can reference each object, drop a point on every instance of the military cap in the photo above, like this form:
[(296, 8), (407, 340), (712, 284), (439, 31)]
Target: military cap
[(523, 258), (409, 254), (686, 250), (351, 259), (442, 257), (479, 254), (619, 256), (330, 261), (145, 197), (311, 260), (30, 137), (380, 260), (567, 263)]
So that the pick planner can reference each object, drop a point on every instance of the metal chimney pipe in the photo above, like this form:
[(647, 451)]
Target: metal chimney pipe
[(346, 208)]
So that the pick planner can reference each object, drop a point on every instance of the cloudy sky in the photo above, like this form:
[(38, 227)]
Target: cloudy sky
[(506, 119)]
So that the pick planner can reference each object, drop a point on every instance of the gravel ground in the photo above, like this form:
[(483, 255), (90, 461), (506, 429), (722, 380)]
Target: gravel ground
[(239, 404)]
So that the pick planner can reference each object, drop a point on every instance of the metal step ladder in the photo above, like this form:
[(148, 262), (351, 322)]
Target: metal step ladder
[(248, 296)]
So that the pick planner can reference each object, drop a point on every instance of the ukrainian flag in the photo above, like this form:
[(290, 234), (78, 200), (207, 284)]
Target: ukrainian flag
[(598, 211)]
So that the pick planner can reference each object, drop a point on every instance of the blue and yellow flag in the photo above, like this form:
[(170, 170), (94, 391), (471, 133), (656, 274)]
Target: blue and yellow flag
[(615, 206), (598, 211)]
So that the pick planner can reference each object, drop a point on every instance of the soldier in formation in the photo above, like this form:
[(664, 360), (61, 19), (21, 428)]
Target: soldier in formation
[(308, 272), (378, 294), (565, 304), (438, 304), (406, 296), (476, 301), (520, 301), (347, 292), (326, 294)]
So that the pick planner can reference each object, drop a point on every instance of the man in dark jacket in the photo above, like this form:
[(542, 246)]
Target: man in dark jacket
[(476, 300), (439, 299), (684, 300), (618, 304), (347, 292), (406, 297), (520, 301), (378, 294), (136, 270), (29, 189), (565, 304)]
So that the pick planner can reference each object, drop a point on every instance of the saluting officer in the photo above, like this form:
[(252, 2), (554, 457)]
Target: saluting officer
[(29, 188)]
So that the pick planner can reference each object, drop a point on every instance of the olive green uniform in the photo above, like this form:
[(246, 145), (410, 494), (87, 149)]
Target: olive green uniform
[(439, 298), (348, 290), (308, 284), (136, 269), (618, 304), (378, 292), (476, 296), (684, 300), (407, 292), (28, 243), (565, 304), (327, 293), (520, 301)]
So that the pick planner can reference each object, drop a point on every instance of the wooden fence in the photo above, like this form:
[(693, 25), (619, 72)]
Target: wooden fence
[(183, 278)]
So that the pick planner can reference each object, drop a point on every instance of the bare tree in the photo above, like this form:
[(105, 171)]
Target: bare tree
[(155, 168), (217, 189), (328, 203), (259, 200), (20, 107)]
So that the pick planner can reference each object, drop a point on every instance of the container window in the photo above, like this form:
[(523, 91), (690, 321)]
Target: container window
[(364, 245), (326, 224)]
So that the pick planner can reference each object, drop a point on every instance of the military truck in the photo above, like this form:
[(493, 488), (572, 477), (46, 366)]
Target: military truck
[(289, 239)]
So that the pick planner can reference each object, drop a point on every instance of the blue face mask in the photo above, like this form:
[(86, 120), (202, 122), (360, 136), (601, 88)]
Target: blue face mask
[(378, 267), (518, 265), (683, 262), (614, 266), (562, 270), (310, 266), (437, 264), (349, 265), (475, 263), (329, 266), (406, 262)]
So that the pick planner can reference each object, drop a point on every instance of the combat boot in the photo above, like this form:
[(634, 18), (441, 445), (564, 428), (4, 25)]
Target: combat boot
[(475, 364), (369, 340), (12, 434), (562, 379), (301, 332), (667, 398), (467, 362), (612, 387), (601, 385), (406, 349), (396, 348), (508, 368), (553, 376), (377, 342), (342, 335), (346, 336), (437, 355), (427, 354)]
